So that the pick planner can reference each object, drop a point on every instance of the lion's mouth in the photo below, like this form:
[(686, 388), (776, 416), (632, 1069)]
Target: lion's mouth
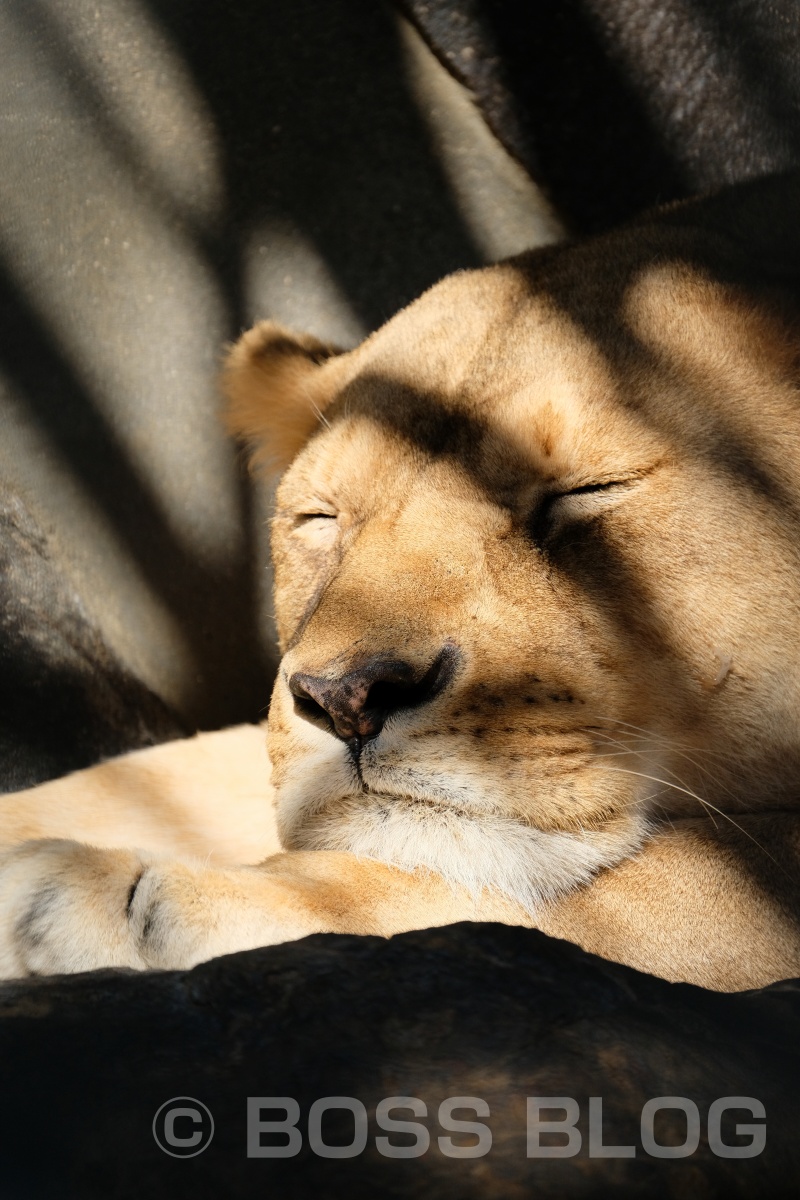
[(431, 804), (419, 791)]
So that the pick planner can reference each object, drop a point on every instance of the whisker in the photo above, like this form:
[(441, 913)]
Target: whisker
[(320, 415), (654, 735), (705, 804), (667, 770), (715, 779)]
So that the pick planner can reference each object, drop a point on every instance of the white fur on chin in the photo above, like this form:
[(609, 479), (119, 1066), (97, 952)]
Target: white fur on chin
[(530, 866)]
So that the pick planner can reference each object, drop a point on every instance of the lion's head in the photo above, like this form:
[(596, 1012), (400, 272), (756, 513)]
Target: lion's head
[(537, 554)]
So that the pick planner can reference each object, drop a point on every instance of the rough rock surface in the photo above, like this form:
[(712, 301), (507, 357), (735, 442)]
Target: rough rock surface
[(66, 701), (616, 105), (173, 171), (482, 1011)]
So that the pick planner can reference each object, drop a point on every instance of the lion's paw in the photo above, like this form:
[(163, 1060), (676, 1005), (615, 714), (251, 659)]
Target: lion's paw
[(64, 908), (67, 907)]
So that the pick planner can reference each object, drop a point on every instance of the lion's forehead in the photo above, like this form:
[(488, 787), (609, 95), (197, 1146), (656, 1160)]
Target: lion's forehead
[(527, 415), (493, 374)]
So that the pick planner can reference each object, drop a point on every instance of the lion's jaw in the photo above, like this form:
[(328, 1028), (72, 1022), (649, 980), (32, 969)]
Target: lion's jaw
[(396, 803), (609, 640)]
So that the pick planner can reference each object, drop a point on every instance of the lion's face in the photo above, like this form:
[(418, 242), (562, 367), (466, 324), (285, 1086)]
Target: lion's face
[(537, 578)]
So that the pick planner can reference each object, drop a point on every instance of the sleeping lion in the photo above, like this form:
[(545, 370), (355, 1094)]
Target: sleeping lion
[(537, 560)]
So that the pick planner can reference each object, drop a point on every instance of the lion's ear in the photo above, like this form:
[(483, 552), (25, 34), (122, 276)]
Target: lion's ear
[(276, 390)]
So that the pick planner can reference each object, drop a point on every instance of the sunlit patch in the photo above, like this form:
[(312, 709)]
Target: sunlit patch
[(286, 276), (509, 476), (477, 853)]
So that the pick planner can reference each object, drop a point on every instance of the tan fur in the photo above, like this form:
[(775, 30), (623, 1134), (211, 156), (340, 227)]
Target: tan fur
[(268, 358), (209, 797), (574, 478)]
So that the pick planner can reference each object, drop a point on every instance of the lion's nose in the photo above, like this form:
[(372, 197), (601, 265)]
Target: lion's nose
[(358, 704)]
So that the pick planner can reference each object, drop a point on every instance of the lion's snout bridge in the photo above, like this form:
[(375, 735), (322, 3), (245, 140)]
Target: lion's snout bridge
[(357, 702)]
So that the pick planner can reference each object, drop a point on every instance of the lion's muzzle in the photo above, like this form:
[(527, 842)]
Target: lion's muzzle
[(356, 703)]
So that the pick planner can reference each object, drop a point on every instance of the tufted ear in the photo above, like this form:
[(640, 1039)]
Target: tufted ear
[(276, 391)]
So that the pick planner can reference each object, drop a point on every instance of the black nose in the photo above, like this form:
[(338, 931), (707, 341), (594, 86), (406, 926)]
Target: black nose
[(358, 703)]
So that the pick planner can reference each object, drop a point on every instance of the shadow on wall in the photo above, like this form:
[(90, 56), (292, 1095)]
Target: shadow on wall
[(617, 105), (172, 172)]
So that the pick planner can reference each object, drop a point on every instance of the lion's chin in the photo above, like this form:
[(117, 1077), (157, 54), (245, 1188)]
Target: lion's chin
[(476, 851)]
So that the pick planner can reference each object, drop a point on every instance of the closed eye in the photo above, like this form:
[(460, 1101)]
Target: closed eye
[(582, 503), (314, 514), (316, 528)]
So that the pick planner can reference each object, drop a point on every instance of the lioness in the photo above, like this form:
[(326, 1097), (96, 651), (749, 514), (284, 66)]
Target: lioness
[(537, 566)]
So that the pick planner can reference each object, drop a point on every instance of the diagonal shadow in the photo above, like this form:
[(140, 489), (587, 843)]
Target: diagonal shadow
[(57, 57), (616, 105), (231, 679), (317, 125), (762, 45), (591, 284), (547, 85)]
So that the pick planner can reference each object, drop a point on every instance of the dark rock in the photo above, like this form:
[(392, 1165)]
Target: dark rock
[(613, 105), (472, 1010), (65, 700), (616, 105)]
